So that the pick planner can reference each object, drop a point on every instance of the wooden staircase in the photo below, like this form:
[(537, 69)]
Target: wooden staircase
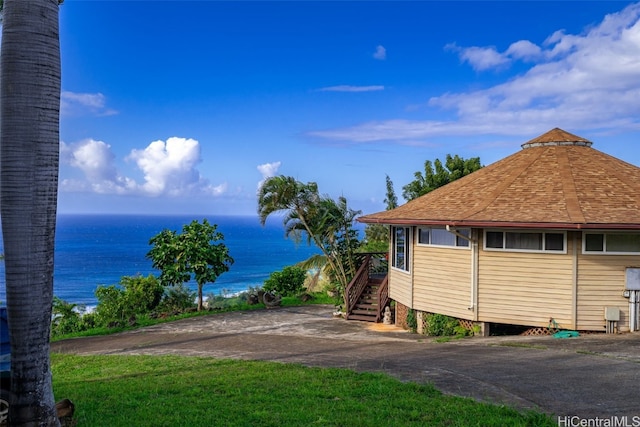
[(367, 307), (368, 293)]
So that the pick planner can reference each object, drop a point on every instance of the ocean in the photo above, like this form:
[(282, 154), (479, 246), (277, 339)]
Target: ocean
[(94, 250)]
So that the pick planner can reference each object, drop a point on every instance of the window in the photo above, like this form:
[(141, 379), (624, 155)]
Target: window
[(526, 241), (442, 237), (424, 236), (616, 243), (401, 245), (554, 241), (494, 239), (594, 242)]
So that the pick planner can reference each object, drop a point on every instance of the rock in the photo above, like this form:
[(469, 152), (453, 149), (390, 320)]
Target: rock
[(65, 410), (271, 300)]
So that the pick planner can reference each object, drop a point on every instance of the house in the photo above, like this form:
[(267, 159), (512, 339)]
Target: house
[(550, 234)]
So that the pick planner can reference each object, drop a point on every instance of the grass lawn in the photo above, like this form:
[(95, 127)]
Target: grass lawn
[(187, 391)]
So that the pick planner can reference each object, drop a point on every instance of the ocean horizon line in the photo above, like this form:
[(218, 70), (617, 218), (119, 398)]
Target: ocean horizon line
[(99, 249)]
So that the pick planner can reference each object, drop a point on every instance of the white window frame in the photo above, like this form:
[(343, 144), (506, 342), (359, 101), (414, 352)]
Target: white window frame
[(604, 250), (455, 246), (534, 231), (407, 248)]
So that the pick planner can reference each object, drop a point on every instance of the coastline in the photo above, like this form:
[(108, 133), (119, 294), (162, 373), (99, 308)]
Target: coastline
[(94, 250)]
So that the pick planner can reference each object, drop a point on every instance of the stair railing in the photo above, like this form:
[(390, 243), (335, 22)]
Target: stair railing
[(357, 285), (383, 298)]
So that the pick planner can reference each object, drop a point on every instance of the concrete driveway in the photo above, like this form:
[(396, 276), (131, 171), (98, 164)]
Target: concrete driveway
[(585, 377)]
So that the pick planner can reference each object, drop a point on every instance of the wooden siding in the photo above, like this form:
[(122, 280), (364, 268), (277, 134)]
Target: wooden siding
[(600, 284), (523, 288), (442, 281), (400, 286)]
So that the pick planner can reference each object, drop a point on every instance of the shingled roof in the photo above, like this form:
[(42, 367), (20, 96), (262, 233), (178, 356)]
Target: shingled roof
[(556, 181)]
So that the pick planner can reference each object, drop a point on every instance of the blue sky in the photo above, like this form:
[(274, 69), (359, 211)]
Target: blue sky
[(174, 107)]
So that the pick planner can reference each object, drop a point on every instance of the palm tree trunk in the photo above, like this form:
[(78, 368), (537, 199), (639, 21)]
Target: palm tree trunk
[(29, 139)]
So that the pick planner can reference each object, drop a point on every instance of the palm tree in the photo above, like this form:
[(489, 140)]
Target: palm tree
[(29, 139), (333, 222), (326, 223)]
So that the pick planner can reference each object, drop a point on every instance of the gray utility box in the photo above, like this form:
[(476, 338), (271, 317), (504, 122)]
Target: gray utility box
[(632, 279), (612, 314)]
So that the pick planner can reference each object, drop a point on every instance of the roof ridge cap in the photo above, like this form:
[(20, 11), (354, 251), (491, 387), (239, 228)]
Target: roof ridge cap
[(568, 180), (557, 137)]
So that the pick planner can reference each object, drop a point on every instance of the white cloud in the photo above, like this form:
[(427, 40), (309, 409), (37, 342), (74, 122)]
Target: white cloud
[(480, 58), (380, 53), (169, 169), (584, 81), (267, 170), (524, 50), (377, 131), (96, 161), (76, 104), (487, 58), (348, 88)]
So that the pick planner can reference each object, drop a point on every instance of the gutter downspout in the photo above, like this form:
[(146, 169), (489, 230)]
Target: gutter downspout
[(475, 260), (411, 263), (574, 272), (473, 239)]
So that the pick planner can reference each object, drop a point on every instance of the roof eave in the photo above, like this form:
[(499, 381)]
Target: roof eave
[(502, 224)]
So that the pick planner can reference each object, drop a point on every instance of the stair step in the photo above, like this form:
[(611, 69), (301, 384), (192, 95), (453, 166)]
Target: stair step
[(364, 312), (367, 306), (372, 304), (361, 317)]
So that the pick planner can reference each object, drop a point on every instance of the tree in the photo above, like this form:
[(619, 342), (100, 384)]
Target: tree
[(29, 138), (391, 200), (333, 223), (376, 236), (455, 167), (192, 254), (326, 223)]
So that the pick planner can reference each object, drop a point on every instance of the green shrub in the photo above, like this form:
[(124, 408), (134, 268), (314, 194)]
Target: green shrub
[(221, 301), (412, 320), (177, 298), (439, 325), (136, 295), (111, 308), (88, 321), (288, 282), (145, 293), (461, 331), (67, 317)]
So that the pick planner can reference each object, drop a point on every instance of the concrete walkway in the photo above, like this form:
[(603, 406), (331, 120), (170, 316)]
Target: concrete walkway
[(587, 377)]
